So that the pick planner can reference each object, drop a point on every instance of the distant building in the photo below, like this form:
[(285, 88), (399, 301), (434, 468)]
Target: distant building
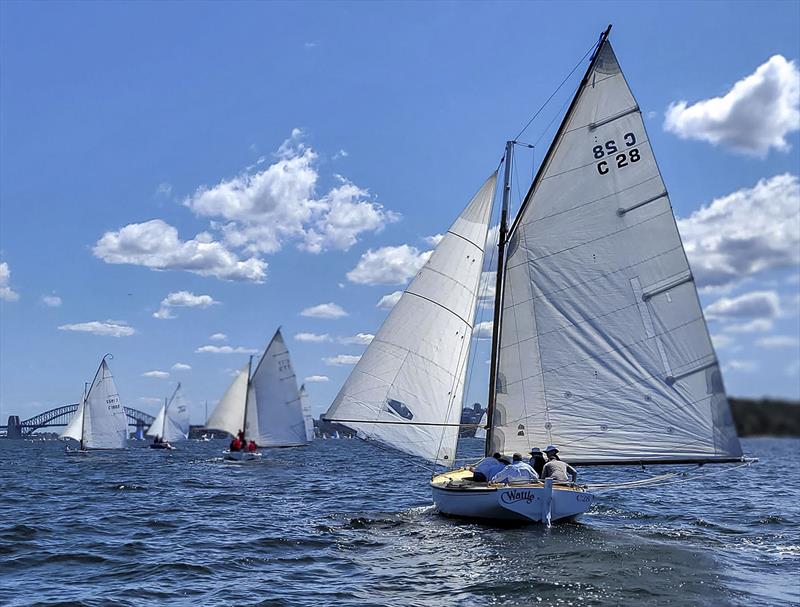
[(471, 415)]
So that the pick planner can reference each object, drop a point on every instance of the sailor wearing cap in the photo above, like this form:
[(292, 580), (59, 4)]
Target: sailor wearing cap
[(537, 460), (556, 469)]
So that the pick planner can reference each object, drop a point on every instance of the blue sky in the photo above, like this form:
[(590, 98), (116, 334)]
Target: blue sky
[(227, 166)]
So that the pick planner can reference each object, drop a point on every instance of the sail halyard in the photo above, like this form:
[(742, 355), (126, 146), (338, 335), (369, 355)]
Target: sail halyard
[(406, 391), (603, 346)]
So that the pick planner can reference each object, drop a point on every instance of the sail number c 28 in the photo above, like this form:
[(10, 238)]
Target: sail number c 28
[(613, 155)]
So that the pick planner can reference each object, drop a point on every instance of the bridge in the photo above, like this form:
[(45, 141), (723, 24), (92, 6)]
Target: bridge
[(60, 416)]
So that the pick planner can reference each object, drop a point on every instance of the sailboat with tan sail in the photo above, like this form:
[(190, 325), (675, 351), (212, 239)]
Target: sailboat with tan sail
[(599, 344)]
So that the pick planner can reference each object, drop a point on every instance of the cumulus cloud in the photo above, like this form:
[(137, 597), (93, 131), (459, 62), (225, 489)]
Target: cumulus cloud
[(388, 265), (52, 301), (757, 325), (754, 116), (225, 350), (262, 210), (111, 328), (433, 240), (387, 302), (155, 244), (341, 360), (181, 367), (218, 337), (756, 304), (778, 341), (749, 231), (183, 299), (326, 310), (312, 337), (360, 339), (745, 366), (483, 330), (6, 292), (311, 379), (721, 340), (156, 374)]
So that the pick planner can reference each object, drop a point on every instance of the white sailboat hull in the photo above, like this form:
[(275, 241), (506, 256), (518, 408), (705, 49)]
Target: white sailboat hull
[(540, 502), (241, 456)]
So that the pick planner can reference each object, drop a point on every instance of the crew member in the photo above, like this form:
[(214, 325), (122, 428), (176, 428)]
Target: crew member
[(516, 473), (556, 469)]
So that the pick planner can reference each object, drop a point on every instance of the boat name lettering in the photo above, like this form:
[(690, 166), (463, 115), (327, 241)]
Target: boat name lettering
[(517, 495), (583, 497)]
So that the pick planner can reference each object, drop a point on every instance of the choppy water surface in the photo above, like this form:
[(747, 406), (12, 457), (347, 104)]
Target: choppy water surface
[(343, 523)]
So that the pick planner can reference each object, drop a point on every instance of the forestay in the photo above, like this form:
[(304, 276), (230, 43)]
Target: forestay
[(105, 425), (307, 418), (172, 421), (274, 412), (228, 415), (603, 349), (413, 371)]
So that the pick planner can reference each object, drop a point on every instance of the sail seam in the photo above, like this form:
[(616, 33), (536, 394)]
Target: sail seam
[(448, 277), (465, 239), (441, 305)]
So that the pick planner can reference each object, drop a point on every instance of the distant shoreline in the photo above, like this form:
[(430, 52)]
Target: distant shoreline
[(765, 417)]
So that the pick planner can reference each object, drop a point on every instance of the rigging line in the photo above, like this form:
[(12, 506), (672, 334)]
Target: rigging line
[(683, 477), (572, 71)]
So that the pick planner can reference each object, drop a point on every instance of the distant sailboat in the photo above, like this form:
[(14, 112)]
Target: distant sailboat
[(265, 405), (599, 343), (172, 422), (99, 422), (307, 418)]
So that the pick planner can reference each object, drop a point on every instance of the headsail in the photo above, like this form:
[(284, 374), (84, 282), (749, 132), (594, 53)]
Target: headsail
[(274, 412), (604, 350), (74, 429), (307, 418), (105, 424), (406, 390), (228, 415)]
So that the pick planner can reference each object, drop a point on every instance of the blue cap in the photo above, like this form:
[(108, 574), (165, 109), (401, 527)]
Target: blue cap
[(551, 448)]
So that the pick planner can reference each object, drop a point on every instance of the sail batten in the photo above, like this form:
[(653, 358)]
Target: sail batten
[(603, 348), (406, 389)]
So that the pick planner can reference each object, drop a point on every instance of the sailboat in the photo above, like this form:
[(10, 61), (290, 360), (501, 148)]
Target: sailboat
[(172, 422), (599, 343), (307, 418), (264, 403), (99, 422)]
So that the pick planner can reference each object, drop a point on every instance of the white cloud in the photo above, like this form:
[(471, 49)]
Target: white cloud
[(151, 400), (225, 350), (721, 340), (112, 328), (778, 341), (756, 304), (326, 310), (52, 301), (263, 210), (754, 116), (758, 325), (745, 366), (387, 302), (164, 189), (746, 232), (219, 337), (156, 374), (388, 265), (311, 379), (6, 293), (433, 240), (361, 339), (312, 337), (181, 367), (155, 244), (184, 299), (340, 154), (483, 330), (341, 359)]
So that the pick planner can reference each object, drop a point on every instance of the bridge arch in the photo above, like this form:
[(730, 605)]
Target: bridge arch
[(60, 416)]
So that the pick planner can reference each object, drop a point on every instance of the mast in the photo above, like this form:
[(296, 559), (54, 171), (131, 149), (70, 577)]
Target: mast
[(83, 412), (498, 298), (247, 394)]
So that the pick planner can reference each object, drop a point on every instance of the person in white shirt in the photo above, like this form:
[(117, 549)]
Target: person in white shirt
[(516, 473), (487, 468)]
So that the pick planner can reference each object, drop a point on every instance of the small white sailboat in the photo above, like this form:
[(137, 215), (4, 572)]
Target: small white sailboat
[(307, 418), (264, 405), (172, 422), (599, 343), (100, 422)]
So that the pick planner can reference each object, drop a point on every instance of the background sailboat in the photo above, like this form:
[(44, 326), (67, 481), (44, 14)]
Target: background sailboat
[(307, 418), (172, 422), (599, 341), (265, 405), (100, 421)]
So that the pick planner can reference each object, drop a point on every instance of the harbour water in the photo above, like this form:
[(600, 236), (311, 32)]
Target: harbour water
[(342, 522)]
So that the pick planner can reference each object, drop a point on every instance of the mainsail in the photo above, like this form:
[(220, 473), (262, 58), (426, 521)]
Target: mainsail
[(406, 390), (172, 421), (274, 413), (228, 415), (307, 418), (105, 425), (604, 350)]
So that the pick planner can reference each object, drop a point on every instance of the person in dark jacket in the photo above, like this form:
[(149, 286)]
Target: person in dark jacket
[(537, 460)]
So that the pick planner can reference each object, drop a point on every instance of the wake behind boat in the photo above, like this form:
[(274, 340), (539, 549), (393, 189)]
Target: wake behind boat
[(599, 344)]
